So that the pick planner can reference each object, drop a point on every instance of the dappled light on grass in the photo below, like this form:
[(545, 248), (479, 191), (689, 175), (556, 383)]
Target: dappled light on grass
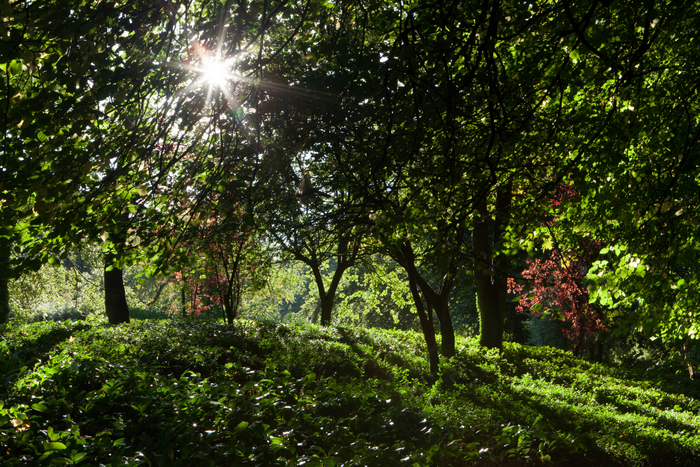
[(198, 392)]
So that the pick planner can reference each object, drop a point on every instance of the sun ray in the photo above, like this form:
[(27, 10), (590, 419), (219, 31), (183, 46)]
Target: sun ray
[(217, 74)]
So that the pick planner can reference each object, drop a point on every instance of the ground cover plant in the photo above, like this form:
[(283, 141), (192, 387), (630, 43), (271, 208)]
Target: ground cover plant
[(184, 393)]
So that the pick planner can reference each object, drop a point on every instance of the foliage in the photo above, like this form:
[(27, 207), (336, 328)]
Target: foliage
[(73, 285), (176, 392), (432, 128), (558, 288), (374, 294), (638, 178), (73, 288)]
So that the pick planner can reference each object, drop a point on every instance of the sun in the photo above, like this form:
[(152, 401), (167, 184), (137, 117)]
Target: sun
[(216, 72), (213, 72)]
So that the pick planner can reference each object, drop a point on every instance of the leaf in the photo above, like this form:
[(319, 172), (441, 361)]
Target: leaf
[(40, 407), (240, 427), (55, 446), (310, 378)]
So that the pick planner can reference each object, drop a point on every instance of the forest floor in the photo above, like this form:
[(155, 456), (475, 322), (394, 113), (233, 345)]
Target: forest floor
[(174, 393)]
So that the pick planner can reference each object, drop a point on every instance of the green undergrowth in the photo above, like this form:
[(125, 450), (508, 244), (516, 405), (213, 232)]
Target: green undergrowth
[(201, 393)]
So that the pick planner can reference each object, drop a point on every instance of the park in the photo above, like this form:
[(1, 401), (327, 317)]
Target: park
[(362, 232)]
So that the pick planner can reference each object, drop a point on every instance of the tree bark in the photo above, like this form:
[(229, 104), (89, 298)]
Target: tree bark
[(345, 260), (115, 295), (426, 325), (438, 302), (327, 297), (491, 300), (232, 296), (490, 268), (406, 258)]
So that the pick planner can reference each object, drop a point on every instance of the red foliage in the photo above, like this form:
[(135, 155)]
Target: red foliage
[(221, 264), (201, 294), (557, 286)]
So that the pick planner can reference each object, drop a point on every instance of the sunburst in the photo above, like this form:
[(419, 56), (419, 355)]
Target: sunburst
[(215, 72)]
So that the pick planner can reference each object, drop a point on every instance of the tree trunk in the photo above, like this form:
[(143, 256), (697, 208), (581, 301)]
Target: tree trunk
[(326, 309), (406, 258), (438, 301), (230, 314), (228, 299), (447, 332), (491, 298), (232, 295), (115, 295), (327, 297), (345, 260), (426, 325), (490, 268)]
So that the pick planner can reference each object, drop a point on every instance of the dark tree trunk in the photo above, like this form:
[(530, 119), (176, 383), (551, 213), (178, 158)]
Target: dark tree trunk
[(230, 313), (426, 325), (492, 306), (115, 295), (438, 302), (447, 332), (345, 260), (327, 297), (231, 297), (490, 267), (406, 258)]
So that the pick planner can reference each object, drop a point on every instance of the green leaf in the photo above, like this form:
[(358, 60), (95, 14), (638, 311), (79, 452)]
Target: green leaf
[(39, 407), (240, 427), (55, 446)]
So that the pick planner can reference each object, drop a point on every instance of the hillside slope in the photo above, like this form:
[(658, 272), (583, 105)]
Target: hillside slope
[(201, 393)]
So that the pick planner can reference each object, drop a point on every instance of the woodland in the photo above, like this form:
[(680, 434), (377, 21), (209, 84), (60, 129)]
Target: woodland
[(362, 232)]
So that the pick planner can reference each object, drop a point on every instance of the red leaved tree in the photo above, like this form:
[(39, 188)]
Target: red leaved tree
[(557, 285), (225, 255)]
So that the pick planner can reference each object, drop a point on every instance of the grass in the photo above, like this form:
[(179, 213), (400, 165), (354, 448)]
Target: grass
[(172, 392)]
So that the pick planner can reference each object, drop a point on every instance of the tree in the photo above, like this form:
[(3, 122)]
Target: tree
[(61, 188), (520, 93), (449, 120), (224, 255), (314, 241), (557, 286), (638, 177)]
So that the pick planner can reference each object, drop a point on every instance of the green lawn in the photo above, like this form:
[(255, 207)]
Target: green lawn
[(200, 393)]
